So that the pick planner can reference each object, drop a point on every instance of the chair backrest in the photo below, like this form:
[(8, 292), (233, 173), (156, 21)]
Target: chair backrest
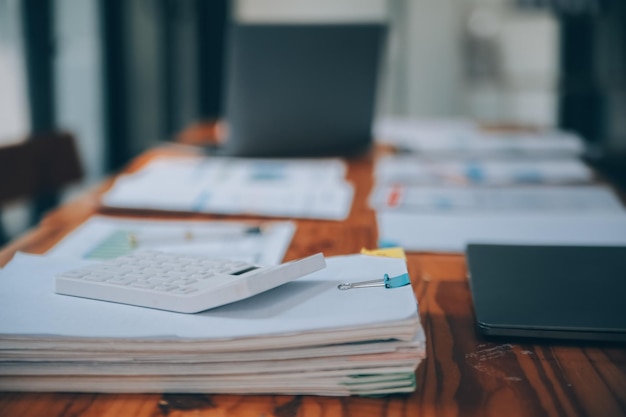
[(41, 164)]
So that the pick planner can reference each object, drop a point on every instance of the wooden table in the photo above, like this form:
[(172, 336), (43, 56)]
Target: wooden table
[(464, 374)]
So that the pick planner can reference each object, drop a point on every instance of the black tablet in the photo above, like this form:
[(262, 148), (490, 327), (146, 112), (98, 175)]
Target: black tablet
[(560, 292)]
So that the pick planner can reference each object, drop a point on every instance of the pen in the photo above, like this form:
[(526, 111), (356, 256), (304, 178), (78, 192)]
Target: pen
[(137, 238)]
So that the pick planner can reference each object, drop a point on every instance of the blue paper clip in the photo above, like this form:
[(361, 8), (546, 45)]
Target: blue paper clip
[(387, 282)]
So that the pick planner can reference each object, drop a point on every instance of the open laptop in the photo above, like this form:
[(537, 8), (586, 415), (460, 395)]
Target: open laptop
[(558, 292), (301, 90)]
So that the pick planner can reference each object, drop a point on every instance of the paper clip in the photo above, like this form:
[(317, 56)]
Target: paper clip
[(387, 282)]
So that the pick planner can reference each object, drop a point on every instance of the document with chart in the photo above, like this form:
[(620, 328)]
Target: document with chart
[(531, 199), (411, 169), (298, 188), (103, 237)]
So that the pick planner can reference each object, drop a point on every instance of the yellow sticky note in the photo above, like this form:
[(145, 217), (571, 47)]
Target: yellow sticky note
[(396, 252)]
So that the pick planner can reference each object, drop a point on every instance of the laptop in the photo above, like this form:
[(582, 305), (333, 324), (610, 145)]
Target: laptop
[(301, 90), (556, 292)]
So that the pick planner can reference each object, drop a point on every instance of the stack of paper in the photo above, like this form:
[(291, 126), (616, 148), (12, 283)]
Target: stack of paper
[(457, 184), (305, 337), (301, 188)]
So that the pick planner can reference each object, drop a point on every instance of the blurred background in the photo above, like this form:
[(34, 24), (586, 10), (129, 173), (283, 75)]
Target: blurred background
[(124, 75)]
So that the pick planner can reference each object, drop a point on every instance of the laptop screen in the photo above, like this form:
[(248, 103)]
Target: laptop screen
[(301, 90)]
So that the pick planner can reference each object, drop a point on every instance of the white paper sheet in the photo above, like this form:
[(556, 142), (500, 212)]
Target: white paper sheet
[(307, 312), (446, 137), (452, 232)]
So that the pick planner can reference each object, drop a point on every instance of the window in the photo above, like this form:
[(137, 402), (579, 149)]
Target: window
[(14, 117)]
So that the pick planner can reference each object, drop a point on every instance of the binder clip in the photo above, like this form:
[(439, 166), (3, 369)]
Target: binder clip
[(387, 282)]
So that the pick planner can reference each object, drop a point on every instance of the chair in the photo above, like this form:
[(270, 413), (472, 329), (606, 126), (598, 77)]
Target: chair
[(38, 169)]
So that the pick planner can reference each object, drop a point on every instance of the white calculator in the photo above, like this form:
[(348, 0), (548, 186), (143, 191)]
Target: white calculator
[(181, 283)]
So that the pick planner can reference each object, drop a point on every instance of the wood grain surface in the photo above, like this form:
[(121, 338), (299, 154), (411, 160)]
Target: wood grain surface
[(463, 375)]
